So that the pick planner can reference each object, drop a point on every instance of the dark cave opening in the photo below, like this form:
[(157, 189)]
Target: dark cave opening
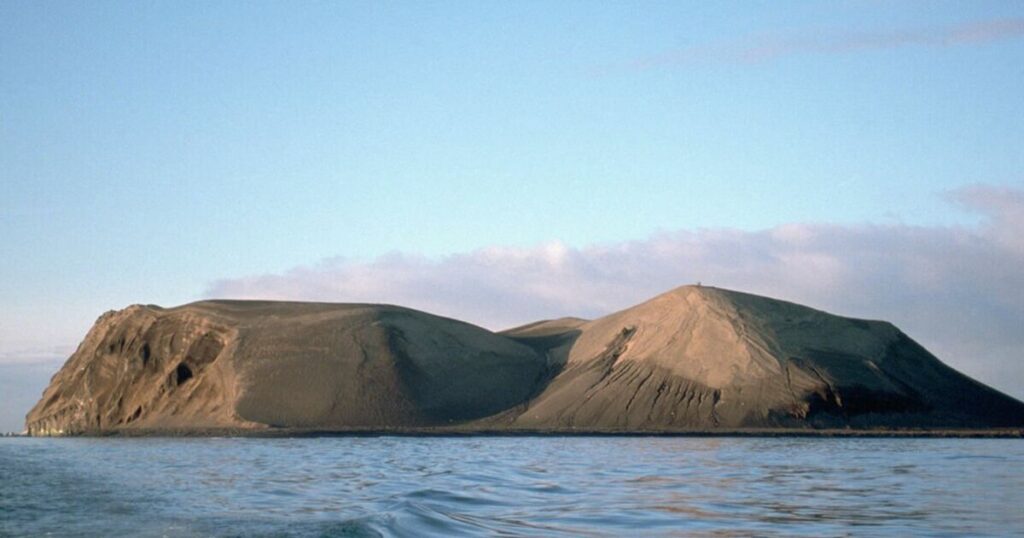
[(182, 373)]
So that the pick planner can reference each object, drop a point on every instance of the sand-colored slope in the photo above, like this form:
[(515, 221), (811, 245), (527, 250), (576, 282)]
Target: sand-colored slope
[(706, 358)]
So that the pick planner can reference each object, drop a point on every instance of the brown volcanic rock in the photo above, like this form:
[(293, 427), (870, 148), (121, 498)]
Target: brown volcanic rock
[(247, 364), (695, 358)]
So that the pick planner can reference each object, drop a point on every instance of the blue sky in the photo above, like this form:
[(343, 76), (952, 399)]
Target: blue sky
[(151, 151)]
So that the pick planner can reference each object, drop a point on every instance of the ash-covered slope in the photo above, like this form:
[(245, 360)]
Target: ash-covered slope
[(707, 358), (246, 364), (695, 358)]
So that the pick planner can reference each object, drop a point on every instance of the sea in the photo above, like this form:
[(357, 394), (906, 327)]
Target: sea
[(511, 486)]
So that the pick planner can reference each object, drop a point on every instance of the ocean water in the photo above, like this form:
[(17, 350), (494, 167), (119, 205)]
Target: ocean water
[(532, 486)]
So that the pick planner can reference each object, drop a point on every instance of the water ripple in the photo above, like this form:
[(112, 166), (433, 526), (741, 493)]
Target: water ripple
[(568, 486)]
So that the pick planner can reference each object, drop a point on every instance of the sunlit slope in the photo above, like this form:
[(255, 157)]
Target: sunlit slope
[(707, 358)]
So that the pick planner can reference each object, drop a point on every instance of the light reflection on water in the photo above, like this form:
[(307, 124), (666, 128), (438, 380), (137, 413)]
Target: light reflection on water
[(404, 486)]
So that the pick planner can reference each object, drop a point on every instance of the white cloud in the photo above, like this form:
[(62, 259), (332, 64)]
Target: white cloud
[(957, 290)]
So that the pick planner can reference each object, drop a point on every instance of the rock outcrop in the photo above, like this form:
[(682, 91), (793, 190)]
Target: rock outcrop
[(693, 359)]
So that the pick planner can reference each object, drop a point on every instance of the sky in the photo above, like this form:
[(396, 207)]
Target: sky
[(501, 163)]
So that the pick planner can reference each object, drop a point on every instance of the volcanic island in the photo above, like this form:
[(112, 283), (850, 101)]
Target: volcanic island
[(696, 360)]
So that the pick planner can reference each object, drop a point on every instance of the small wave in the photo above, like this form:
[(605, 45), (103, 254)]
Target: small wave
[(344, 487)]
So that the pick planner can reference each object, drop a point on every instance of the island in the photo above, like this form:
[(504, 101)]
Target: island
[(694, 360)]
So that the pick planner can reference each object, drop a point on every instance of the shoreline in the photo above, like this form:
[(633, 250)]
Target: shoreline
[(951, 433)]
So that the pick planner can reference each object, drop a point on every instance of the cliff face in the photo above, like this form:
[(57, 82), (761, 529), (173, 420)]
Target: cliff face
[(142, 366), (695, 358)]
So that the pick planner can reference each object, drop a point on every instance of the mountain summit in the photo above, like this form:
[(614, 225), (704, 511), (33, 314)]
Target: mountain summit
[(692, 359)]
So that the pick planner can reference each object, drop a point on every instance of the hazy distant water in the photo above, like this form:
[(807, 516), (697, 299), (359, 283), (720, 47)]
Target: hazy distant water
[(513, 486)]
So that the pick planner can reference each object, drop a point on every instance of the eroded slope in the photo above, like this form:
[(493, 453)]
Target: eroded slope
[(699, 358)]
